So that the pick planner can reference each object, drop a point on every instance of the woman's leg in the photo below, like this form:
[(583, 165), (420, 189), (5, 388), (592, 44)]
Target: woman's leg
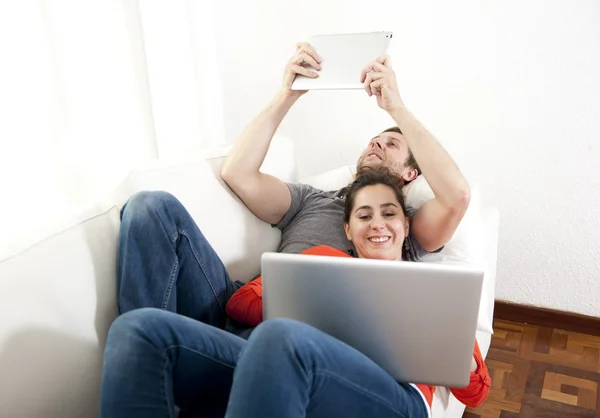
[(156, 360), (166, 262), (289, 369)]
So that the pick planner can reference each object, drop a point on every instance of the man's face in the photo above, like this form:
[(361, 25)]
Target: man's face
[(388, 149)]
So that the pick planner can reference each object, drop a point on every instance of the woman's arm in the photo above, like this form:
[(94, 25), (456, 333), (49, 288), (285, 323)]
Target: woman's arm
[(479, 384), (245, 305)]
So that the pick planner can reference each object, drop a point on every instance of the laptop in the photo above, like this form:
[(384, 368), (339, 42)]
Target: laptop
[(343, 58), (415, 320)]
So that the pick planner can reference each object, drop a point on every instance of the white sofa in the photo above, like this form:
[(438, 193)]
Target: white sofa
[(60, 292)]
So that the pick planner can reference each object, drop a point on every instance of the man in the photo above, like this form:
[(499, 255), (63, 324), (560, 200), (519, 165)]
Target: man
[(183, 354), (405, 150)]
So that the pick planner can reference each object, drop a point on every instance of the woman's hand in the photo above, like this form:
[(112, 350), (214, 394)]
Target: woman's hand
[(379, 79), (305, 54), (473, 364)]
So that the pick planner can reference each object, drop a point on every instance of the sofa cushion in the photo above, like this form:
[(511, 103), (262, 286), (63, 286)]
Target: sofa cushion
[(332, 180)]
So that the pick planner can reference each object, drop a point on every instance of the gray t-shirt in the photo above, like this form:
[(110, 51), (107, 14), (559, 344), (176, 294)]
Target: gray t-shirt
[(316, 218)]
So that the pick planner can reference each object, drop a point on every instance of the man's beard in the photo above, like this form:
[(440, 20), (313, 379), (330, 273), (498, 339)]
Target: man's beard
[(394, 168)]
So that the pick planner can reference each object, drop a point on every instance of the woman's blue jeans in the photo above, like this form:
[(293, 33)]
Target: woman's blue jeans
[(173, 351)]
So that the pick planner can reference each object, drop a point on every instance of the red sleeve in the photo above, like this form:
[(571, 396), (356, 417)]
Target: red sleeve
[(479, 384), (245, 305), (326, 250)]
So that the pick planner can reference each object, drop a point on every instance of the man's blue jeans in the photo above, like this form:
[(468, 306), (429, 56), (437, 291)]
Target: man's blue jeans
[(174, 355)]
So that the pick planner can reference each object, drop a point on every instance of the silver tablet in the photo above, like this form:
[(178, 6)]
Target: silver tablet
[(343, 57)]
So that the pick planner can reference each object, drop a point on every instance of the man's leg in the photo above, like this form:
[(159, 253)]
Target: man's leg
[(166, 262), (289, 369), (156, 360)]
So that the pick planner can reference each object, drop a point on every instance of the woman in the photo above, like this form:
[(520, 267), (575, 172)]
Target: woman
[(289, 369)]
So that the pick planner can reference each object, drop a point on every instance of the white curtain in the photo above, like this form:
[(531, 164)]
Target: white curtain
[(90, 89)]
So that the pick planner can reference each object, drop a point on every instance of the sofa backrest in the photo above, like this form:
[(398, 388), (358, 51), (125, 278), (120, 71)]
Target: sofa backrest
[(60, 292)]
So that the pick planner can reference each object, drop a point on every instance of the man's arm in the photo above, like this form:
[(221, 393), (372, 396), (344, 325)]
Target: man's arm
[(266, 196), (435, 221)]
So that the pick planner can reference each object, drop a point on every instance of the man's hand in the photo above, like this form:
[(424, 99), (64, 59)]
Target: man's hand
[(379, 79), (305, 54)]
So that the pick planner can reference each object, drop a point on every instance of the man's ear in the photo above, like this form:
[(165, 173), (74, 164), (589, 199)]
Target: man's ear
[(406, 226), (410, 174), (347, 229)]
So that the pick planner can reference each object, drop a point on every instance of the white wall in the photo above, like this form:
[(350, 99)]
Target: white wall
[(510, 88)]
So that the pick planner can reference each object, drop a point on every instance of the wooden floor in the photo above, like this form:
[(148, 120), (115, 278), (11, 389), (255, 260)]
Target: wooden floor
[(541, 372)]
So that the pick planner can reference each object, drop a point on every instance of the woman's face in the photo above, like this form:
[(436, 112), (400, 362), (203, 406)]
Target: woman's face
[(377, 225)]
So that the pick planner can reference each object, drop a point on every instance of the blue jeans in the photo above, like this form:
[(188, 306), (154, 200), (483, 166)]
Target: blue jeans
[(157, 360), (166, 262), (174, 349), (290, 369)]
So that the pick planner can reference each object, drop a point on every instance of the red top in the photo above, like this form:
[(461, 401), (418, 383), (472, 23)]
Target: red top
[(246, 306)]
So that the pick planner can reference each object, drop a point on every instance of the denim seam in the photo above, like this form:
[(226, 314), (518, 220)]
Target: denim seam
[(199, 261), (164, 388), (172, 239), (362, 390), (200, 354), (170, 285)]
